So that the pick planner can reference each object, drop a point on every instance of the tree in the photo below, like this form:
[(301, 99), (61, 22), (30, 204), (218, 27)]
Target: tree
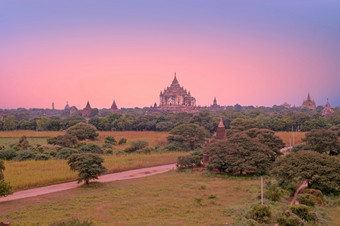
[(23, 143), (242, 124), (5, 188), (240, 154), (321, 171), (190, 134), (67, 140), (9, 123), (91, 148), (83, 131), (110, 140), (89, 166), (322, 141)]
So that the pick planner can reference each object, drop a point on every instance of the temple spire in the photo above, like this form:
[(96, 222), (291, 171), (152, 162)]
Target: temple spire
[(221, 123), (308, 97), (88, 104)]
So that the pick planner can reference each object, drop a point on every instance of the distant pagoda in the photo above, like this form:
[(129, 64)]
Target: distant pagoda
[(220, 132), (327, 110), (309, 103), (176, 99), (114, 108), (87, 110)]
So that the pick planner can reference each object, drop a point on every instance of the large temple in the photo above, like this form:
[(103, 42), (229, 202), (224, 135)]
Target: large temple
[(177, 99), (309, 103)]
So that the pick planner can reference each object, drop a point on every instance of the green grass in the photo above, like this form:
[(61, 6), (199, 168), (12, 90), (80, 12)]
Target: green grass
[(165, 199), (31, 173)]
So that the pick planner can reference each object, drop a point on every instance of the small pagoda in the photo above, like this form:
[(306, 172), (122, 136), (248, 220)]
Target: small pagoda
[(87, 110)]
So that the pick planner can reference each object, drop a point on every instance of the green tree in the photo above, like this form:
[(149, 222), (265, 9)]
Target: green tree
[(242, 124), (23, 143), (322, 141), (83, 131), (89, 166), (9, 123), (67, 140), (190, 134), (319, 170), (240, 154), (5, 188), (91, 148)]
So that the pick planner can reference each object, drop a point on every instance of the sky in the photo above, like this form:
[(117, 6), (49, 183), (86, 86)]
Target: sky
[(247, 52)]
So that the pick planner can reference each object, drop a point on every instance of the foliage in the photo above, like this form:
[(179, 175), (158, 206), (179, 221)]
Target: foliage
[(23, 142), (2, 168), (261, 213), (290, 219), (73, 222), (42, 157), (91, 148), (323, 141), (319, 170), (187, 162), (67, 140), (303, 212), (9, 123), (89, 166), (7, 154), (110, 140), (190, 134), (240, 154), (273, 193), (242, 124), (66, 152), (176, 146), (139, 144), (24, 155), (122, 141), (48, 124), (83, 131), (5, 188)]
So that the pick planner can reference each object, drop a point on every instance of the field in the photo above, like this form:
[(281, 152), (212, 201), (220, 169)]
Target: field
[(40, 137), (31, 173), (287, 137), (173, 198)]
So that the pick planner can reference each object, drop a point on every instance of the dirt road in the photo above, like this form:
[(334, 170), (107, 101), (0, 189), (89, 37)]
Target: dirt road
[(125, 175)]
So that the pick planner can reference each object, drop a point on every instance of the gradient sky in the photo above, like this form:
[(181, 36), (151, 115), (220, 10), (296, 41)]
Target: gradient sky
[(248, 52)]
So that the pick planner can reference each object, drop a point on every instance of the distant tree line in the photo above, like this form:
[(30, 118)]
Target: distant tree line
[(235, 118)]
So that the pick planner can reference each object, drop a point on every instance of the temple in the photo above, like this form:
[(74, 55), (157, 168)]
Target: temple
[(220, 132), (87, 110), (114, 108), (327, 110), (176, 99), (309, 103)]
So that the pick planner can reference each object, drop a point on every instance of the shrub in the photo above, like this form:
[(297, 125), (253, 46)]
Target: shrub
[(176, 146), (51, 140), (5, 188), (187, 162), (65, 153), (273, 193), (303, 212), (139, 144), (23, 142), (91, 148), (261, 213), (52, 153), (110, 140), (73, 222), (83, 131), (42, 157), (290, 219), (67, 140), (7, 154), (24, 155), (307, 199), (122, 141)]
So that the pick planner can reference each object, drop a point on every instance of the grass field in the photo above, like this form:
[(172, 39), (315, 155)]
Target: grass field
[(173, 198), (287, 137), (40, 137), (31, 173)]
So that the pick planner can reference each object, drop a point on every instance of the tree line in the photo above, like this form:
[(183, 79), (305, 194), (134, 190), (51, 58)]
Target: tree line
[(283, 120)]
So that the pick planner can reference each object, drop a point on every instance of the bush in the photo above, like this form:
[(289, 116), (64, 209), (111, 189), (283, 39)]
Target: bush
[(42, 157), (83, 131), (51, 140), (66, 140), (91, 148), (290, 219), (65, 153), (110, 140), (73, 222), (24, 155), (311, 197), (7, 154), (23, 142), (187, 162), (303, 212), (176, 146), (261, 213), (273, 193), (306, 199), (139, 144), (5, 188), (122, 141)]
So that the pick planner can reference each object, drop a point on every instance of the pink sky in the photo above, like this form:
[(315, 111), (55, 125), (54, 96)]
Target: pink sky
[(247, 66)]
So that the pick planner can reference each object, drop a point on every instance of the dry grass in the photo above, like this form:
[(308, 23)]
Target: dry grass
[(166, 199), (29, 174), (287, 137)]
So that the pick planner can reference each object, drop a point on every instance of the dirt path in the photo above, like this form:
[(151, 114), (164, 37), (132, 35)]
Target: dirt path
[(125, 175), (302, 186)]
